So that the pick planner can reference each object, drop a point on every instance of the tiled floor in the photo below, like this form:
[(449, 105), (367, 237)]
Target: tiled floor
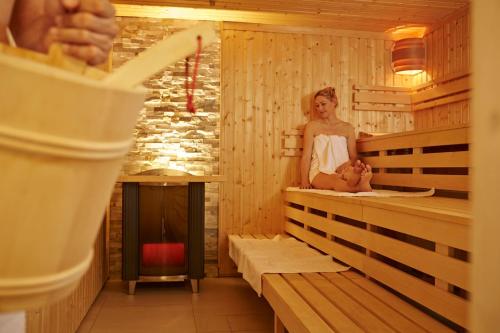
[(223, 305)]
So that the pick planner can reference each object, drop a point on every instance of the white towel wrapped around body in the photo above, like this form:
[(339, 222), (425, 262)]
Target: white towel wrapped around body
[(329, 152)]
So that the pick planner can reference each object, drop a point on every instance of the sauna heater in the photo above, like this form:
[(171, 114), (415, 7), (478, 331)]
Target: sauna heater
[(163, 233)]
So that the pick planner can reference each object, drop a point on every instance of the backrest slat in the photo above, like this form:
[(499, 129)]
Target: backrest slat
[(435, 158)]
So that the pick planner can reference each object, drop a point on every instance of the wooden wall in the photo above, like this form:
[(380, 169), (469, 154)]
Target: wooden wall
[(268, 77), (66, 315), (486, 161), (448, 55)]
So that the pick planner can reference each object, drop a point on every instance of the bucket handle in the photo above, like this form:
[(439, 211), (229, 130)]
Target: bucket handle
[(161, 55)]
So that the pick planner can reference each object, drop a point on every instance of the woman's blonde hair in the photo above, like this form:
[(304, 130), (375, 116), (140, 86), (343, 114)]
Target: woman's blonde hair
[(328, 92)]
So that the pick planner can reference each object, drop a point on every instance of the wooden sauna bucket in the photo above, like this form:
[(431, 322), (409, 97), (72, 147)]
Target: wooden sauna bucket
[(62, 140)]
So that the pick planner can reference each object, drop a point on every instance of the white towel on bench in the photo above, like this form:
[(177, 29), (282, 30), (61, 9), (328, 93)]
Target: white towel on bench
[(374, 193), (255, 257)]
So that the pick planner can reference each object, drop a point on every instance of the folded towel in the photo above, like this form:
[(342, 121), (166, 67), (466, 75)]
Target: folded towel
[(255, 257), (374, 193)]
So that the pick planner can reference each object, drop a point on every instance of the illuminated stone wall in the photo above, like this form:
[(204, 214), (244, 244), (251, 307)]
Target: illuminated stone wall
[(167, 136)]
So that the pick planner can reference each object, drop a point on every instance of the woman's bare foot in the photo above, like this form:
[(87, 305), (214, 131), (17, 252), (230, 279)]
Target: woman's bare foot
[(352, 174), (364, 181)]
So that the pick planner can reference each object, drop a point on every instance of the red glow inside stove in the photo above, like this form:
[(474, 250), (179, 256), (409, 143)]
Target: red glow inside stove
[(163, 254)]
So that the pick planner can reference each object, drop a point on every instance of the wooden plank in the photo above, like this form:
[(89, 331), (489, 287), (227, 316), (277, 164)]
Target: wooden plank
[(459, 159), (451, 234), (278, 325), (442, 90), (381, 88), (341, 252), (339, 206), (258, 129), (271, 224), (443, 101), (420, 138), (485, 106), (448, 305), (343, 61), (228, 104), (368, 97), (291, 152), (396, 303), (387, 314), (173, 179), (293, 311), (464, 72), (240, 55), (440, 283), (448, 269), (295, 142), (247, 136), (445, 182), (349, 305), (455, 211), (347, 232), (301, 30), (332, 315), (381, 107), (292, 132), (353, 69)]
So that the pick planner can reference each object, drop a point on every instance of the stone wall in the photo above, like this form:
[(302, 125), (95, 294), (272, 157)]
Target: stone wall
[(167, 136)]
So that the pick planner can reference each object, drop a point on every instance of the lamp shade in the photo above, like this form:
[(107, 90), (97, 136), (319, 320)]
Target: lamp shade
[(408, 56)]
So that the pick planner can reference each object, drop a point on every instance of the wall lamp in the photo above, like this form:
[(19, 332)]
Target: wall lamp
[(408, 51)]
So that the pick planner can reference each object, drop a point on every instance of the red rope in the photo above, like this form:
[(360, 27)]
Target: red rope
[(190, 87)]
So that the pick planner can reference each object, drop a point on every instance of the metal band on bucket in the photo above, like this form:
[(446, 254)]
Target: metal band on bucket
[(44, 283), (44, 144)]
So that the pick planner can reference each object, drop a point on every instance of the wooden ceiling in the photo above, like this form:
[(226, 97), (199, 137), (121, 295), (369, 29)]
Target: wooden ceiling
[(368, 15)]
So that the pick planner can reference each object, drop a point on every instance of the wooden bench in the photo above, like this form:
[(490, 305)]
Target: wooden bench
[(410, 256), (340, 302)]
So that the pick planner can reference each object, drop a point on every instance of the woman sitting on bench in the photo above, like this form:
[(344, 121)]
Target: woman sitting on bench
[(329, 159)]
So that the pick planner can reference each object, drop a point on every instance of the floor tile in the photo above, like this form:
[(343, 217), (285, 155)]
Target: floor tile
[(249, 322), (223, 305), (209, 323)]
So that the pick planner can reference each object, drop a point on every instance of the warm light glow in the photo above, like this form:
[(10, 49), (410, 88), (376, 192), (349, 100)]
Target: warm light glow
[(407, 31), (411, 72)]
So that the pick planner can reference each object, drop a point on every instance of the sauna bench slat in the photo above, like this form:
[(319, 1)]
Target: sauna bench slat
[(446, 209), (341, 302)]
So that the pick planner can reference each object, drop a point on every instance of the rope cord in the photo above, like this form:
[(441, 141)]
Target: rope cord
[(190, 87)]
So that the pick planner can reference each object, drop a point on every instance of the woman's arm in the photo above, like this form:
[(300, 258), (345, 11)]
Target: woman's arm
[(351, 145), (305, 162), (5, 14)]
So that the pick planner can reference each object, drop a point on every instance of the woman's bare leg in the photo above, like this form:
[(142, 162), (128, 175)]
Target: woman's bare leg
[(333, 182)]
